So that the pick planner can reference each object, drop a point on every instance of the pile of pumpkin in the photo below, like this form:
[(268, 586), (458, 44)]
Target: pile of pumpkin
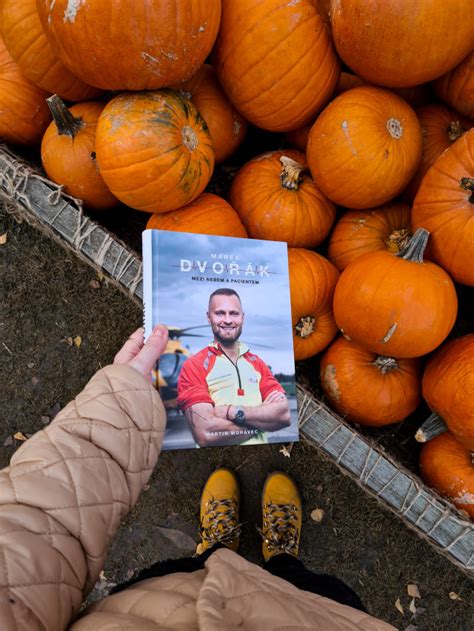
[(389, 142)]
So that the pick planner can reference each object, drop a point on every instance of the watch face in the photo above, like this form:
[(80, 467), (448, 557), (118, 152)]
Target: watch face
[(239, 416)]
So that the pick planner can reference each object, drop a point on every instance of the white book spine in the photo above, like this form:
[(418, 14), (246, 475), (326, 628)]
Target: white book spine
[(147, 257)]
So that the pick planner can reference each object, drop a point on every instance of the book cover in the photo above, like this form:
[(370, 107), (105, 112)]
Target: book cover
[(227, 376)]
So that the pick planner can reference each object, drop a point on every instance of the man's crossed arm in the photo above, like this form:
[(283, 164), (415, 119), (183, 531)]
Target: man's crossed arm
[(206, 420)]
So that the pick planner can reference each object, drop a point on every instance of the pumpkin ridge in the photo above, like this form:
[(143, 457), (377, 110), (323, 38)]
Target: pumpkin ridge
[(273, 86), (272, 49), (251, 27)]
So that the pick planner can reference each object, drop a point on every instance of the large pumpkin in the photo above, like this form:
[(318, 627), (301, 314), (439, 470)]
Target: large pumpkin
[(441, 127), (457, 86), (448, 387), (226, 126), (24, 114), (367, 388), (277, 199), (360, 231), (447, 466), (207, 214), (444, 205), (27, 44), (68, 152), (130, 45), (275, 60), (396, 304), (396, 43), (312, 282), (364, 147), (154, 150)]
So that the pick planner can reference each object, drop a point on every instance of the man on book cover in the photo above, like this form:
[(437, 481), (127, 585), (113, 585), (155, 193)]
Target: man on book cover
[(227, 393)]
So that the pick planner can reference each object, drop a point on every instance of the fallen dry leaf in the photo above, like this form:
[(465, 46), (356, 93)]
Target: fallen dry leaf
[(412, 606), (413, 591), (399, 607), (3, 238), (68, 340), (77, 341), (285, 451), (317, 515), (31, 364), (454, 596), (94, 284), (20, 436), (177, 537)]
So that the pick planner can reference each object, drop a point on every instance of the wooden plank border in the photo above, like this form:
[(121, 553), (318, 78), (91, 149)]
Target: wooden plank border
[(30, 196), (41, 202)]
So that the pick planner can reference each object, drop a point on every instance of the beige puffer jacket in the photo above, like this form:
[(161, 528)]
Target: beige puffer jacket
[(62, 499)]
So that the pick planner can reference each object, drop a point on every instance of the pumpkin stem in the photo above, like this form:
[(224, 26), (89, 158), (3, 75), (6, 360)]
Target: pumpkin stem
[(395, 128), (467, 183), (398, 240), (290, 176), (66, 123), (455, 130), (305, 326), (416, 247), (432, 427), (190, 139), (385, 364)]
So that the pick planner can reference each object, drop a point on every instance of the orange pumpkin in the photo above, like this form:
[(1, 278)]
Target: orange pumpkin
[(29, 47), (441, 127), (312, 282), (299, 137), (388, 43), (396, 304), (457, 86), (277, 199), (207, 214), (68, 152), (226, 126), (444, 205), (360, 231), (367, 388), (24, 112), (275, 61), (448, 387), (364, 147), (154, 150), (447, 466), (131, 45)]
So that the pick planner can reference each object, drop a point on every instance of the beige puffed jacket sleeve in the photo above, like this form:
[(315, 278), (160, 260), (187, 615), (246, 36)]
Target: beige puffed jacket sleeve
[(65, 493)]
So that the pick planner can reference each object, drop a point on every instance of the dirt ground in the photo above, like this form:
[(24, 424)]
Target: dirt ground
[(49, 299)]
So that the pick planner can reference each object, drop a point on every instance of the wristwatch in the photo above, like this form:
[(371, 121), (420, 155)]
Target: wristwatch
[(239, 417)]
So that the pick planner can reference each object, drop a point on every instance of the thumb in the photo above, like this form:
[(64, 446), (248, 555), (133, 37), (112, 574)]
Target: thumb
[(152, 350)]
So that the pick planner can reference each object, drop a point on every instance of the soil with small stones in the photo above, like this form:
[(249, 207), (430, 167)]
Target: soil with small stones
[(47, 300)]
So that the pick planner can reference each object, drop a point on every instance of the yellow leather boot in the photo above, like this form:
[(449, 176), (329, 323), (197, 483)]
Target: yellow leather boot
[(281, 515), (219, 522)]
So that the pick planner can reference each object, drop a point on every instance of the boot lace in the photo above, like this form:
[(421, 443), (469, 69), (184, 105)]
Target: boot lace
[(280, 528), (222, 524)]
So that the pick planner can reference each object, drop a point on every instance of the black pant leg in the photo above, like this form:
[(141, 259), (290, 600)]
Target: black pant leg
[(292, 570)]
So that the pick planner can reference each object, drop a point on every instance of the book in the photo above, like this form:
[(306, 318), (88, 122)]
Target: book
[(227, 376)]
